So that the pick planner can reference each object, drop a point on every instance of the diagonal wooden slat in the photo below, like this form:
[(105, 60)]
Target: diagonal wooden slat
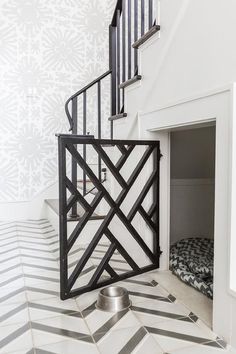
[(70, 202), (122, 149), (147, 218), (83, 221), (151, 211), (102, 265), (141, 196), (111, 271), (124, 157), (107, 282), (122, 250), (110, 165), (74, 191)]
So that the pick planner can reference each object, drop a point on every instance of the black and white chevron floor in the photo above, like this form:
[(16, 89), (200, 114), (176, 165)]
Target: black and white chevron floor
[(34, 320)]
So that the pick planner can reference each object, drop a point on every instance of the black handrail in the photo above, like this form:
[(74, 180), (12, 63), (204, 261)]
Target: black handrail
[(119, 7), (128, 24), (78, 93), (123, 58), (73, 121)]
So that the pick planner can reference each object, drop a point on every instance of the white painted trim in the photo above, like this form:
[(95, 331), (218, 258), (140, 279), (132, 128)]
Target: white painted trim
[(211, 106), (182, 125), (168, 196), (188, 99), (232, 207)]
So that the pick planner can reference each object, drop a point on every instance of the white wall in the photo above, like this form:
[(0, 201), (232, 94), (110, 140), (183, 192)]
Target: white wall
[(194, 54), (48, 50), (191, 208)]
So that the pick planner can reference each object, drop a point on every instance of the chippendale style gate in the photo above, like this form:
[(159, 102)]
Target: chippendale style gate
[(115, 232)]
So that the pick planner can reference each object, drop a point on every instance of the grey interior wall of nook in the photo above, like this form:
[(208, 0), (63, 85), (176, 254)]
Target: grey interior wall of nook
[(192, 183), (193, 153), (48, 50)]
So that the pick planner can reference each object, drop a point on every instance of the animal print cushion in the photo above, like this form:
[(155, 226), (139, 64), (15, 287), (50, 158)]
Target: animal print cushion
[(191, 260)]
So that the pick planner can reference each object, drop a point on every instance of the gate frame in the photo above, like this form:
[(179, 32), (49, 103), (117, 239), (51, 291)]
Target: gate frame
[(69, 142)]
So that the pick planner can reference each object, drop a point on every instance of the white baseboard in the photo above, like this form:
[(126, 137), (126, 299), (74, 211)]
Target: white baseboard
[(32, 209)]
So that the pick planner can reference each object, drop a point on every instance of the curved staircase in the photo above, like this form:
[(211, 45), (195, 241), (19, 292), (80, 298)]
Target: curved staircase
[(92, 195)]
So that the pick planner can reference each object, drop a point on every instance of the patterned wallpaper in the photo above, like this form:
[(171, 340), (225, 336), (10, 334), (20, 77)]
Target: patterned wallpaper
[(48, 50)]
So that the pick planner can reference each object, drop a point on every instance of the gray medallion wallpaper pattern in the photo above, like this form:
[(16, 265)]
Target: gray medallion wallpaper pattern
[(48, 50)]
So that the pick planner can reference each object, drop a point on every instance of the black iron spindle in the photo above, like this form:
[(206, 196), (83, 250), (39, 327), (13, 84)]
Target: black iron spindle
[(118, 59), (150, 13), (62, 219), (112, 68), (99, 130), (129, 39), (123, 48), (135, 34), (84, 133), (124, 41), (73, 162), (112, 55), (142, 17)]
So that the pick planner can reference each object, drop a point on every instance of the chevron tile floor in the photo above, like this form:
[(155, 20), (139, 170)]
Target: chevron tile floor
[(33, 320)]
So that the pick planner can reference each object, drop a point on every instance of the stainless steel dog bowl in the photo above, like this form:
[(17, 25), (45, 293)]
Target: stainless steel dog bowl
[(113, 299)]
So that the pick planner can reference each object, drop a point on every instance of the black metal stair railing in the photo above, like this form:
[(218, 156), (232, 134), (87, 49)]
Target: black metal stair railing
[(71, 108), (130, 21)]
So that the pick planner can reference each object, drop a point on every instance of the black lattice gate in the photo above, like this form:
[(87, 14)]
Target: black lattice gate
[(116, 232)]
